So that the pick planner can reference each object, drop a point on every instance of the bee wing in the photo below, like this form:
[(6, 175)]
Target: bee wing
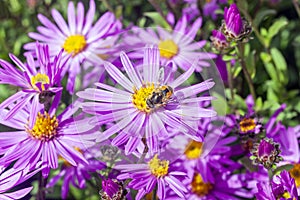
[(177, 98), (161, 76)]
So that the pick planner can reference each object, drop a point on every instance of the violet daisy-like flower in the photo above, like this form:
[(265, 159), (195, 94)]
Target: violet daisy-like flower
[(38, 85), (224, 186), (80, 38), (13, 177), (177, 45), (234, 27), (146, 105), (44, 137), (212, 153), (281, 187), (156, 172)]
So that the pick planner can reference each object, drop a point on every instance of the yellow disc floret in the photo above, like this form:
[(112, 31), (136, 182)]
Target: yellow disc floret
[(45, 127), (295, 173), (39, 78), (193, 150), (159, 168), (74, 44), (199, 187), (140, 96), (168, 49), (247, 124)]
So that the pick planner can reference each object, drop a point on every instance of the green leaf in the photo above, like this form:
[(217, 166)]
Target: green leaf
[(278, 59), (258, 103), (219, 104), (275, 28), (280, 64), (228, 57), (266, 58), (261, 15), (286, 167), (250, 64), (158, 19)]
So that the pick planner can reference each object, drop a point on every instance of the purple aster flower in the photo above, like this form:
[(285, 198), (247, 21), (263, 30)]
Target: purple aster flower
[(177, 46), (266, 152), (281, 187), (211, 154), (209, 9), (38, 85), (80, 39), (44, 137), (233, 26), (12, 177), (219, 41), (140, 110), (156, 172), (77, 175)]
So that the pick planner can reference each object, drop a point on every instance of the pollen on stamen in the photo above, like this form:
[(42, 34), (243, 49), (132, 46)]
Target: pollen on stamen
[(193, 150), (168, 49), (295, 173), (159, 168), (45, 127), (74, 44), (247, 124), (200, 187), (140, 96), (39, 78)]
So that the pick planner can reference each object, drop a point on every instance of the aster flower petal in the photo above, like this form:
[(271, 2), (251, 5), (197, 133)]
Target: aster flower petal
[(59, 20), (71, 17), (151, 64), (183, 77), (130, 70), (16, 195), (161, 192), (117, 75), (89, 17), (174, 185)]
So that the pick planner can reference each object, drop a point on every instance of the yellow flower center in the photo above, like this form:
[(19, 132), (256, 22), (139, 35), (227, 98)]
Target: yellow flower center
[(168, 49), (199, 187), (193, 150), (39, 78), (247, 124), (74, 44), (44, 128), (159, 168), (295, 173), (140, 96)]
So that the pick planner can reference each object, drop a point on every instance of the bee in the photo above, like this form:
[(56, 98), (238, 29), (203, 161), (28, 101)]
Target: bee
[(159, 97)]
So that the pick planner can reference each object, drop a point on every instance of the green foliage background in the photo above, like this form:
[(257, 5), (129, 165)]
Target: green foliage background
[(272, 55)]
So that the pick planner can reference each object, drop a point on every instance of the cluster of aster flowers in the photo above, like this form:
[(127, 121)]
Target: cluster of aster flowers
[(141, 127)]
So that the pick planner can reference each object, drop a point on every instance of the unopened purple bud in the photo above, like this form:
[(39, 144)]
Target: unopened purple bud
[(233, 26), (266, 152), (112, 190)]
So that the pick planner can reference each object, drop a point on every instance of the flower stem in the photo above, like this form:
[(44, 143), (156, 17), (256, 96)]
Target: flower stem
[(245, 71), (230, 79), (154, 193), (41, 195), (296, 5), (270, 174)]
